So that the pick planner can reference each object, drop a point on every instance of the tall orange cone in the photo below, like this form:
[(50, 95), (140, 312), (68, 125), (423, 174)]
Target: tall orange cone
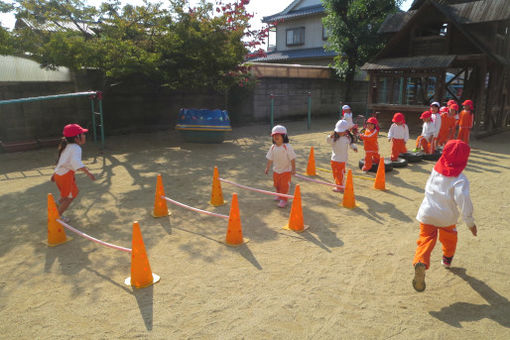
[(160, 207), (216, 193), (380, 177), (310, 168), (296, 214), (141, 274), (56, 232), (234, 230), (349, 201)]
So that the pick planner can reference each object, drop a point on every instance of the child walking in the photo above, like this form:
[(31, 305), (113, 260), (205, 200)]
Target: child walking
[(68, 162), (446, 191), (398, 135), (466, 118), (283, 158), (370, 143), (425, 141), (340, 140)]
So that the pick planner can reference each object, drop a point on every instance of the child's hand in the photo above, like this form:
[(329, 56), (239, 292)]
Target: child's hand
[(293, 171), (266, 171), (52, 178), (473, 230)]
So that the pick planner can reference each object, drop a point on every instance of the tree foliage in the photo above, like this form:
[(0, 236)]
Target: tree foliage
[(176, 46), (352, 27)]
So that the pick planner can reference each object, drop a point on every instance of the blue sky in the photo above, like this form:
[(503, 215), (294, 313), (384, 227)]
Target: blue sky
[(260, 8)]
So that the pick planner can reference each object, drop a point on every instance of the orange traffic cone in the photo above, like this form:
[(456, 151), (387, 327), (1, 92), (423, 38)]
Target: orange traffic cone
[(160, 207), (234, 230), (216, 193), (141, 274), (349, 201), (310, 168), (56, 232), (296, 214), (380, 177)]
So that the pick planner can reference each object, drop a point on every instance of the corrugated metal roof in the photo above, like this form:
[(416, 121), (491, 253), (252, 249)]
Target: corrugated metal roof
[(318, 52), (16, 69), (421, 62), (60, 26), (480, 11), (294, 14)]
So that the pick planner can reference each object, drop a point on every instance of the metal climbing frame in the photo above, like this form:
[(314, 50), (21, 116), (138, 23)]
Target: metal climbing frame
[(93, 95)]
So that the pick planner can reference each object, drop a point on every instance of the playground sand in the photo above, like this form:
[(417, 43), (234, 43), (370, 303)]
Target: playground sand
[(348, 276)]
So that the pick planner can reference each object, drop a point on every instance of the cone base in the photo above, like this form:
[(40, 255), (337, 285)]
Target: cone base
[(315, 174), (155, 279), (341, 205), (296, 231), (57, 244), (245, 240), (156, 216), (383, 189), (218, 205)]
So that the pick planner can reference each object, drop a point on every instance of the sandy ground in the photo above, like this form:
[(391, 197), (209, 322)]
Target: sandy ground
[(348, 276)]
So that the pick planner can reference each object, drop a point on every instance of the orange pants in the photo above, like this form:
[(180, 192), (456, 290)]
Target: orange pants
[(428, 239), (398, 146), (282, 183), (338, 172), (66, 185), (370, 158), (464, 134), (423, 143)]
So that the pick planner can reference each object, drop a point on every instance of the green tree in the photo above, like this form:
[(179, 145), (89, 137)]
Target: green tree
[(352, 27)]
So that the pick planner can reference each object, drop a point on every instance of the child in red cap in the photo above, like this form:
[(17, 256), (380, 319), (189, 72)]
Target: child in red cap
[(466, 118), (283, 158), (370, 143), (446, 191), (68, 162), (428, 133), (398, 135), (448, 122)]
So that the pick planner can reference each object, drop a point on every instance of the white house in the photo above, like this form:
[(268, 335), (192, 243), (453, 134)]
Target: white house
[(300, 35)]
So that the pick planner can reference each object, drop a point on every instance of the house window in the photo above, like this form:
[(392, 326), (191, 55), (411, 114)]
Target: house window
[(325, 33), (295, 36)]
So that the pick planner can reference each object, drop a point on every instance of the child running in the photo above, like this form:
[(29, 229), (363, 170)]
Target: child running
[(447, 189), (340, 140), (425, 141), (466, 118), (283, 158), (398, 136), (370, 143), (68, 162)]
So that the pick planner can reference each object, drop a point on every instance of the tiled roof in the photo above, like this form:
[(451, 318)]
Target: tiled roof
[(305, 11), (421, 62), (308, 53)]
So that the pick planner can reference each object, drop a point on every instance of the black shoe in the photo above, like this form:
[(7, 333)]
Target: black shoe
[(419, 277)]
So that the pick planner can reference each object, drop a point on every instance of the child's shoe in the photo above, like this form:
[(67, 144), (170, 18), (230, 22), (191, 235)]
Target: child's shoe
[(419, 277), (282, 204), (447, 261), (65, 219), (276, 198), (337, 189)]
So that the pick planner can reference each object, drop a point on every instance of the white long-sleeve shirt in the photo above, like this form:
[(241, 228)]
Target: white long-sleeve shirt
[(444, 196), (399, 132), (436, 118), (429, 130), (281, 157), (70, 159), (340, 147)]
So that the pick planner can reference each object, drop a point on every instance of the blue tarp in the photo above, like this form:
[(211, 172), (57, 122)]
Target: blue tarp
[(203, 120)]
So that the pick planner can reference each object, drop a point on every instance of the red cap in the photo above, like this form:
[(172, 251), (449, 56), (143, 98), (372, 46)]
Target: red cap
[(454, 158), (454, 107), (372, 120), (398, 118), (426, 114), (72, 130), (469, 103), (443, 109), (451, 102)]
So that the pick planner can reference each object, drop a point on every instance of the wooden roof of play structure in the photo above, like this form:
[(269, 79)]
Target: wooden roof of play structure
[(466, 39)]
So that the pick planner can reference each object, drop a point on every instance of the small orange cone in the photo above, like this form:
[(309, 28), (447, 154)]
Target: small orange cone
[(349, 201), (141, 274), (310, 168), (380, 177), (296, 214), (216, 193), (56, 232), (234, 230), (160, 207)]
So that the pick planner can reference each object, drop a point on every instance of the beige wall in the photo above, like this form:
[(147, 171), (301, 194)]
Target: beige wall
[(313, 33)]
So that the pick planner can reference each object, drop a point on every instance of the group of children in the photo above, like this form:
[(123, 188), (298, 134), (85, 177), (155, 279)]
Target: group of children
[(447, 189)]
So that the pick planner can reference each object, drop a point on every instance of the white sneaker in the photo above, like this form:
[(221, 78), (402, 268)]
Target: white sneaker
[(282, 204)]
